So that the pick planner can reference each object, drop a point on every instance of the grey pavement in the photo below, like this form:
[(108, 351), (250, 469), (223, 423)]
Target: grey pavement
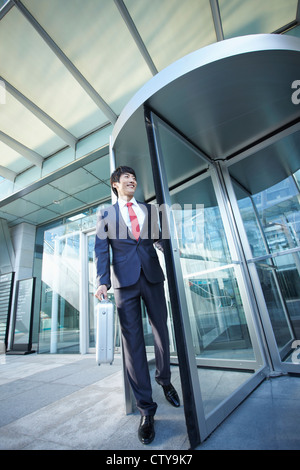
[(67, 402)]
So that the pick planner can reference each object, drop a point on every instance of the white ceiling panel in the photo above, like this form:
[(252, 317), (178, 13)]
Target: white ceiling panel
[(254, 16), (12, 160), (27, 129), (171, 29), (95, 38), (32, 68)]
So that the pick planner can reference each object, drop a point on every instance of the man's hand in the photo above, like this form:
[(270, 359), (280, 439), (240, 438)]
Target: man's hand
[(101, 291)]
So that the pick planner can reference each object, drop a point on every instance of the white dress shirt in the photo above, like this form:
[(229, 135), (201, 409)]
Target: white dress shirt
[(125, 214)]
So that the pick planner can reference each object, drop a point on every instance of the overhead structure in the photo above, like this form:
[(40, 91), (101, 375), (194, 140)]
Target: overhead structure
[(69, 68)]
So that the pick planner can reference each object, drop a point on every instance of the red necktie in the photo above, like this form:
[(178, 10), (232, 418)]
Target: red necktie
[(135, 228)]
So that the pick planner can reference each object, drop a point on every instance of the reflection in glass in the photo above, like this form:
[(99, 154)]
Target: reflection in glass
[(271, 217), (288, 272), (59, 318), (92, 321), (251, 223), (278, 210), (61, 271), (272, 223), (275, 303), (213, 297)]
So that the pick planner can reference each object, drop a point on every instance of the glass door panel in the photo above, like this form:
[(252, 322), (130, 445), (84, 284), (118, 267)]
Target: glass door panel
[(278, 212), (213, 296), (275, 304), (271, 221)]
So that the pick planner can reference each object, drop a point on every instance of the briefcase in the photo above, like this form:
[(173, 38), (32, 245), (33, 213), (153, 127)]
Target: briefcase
[(105, 332)]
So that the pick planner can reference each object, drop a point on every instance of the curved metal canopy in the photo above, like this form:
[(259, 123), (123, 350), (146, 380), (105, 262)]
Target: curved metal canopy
[(233, 101)]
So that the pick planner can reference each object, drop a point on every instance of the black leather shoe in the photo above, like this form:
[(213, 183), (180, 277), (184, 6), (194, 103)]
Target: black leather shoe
[(171, 395), (146, 431)]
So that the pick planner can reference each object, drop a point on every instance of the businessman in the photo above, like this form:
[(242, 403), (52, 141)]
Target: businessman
[(130, 229)]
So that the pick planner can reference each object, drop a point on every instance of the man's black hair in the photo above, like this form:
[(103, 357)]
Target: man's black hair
[(115, 176)]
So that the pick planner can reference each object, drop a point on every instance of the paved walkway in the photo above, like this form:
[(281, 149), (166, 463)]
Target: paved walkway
[(67, 402)]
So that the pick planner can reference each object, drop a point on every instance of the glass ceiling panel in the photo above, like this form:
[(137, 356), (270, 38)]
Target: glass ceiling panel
[(31, 67), (12, 160), (171, 29), (95, 38), (255, 16), (20, 124)]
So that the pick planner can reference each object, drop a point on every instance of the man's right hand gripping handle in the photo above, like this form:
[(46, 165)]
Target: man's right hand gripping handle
[(101, 291)]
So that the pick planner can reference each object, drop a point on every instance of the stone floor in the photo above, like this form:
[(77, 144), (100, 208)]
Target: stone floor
[(67, 402)]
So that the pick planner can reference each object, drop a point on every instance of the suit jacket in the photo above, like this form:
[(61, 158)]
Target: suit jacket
[(128, 255)]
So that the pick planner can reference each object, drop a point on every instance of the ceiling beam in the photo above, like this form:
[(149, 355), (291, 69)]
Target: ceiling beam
[(136, 35), (65, 135), (94, 95), (27, 153), (7, 174), (5, 9), (215, 11)]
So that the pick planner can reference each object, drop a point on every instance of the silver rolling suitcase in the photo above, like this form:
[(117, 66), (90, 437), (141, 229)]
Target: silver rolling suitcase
[(105, 332)]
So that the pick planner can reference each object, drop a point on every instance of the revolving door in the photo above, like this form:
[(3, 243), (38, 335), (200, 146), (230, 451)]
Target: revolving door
[(182, 136)]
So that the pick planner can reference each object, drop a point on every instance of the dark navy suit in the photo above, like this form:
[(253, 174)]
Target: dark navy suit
[(136, 274)]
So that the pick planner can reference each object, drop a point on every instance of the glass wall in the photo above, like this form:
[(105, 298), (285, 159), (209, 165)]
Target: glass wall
[(59, 320), (272, 224), (61, 284)]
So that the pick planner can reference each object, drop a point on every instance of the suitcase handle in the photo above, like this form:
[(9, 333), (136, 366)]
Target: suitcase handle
[(105, 301)]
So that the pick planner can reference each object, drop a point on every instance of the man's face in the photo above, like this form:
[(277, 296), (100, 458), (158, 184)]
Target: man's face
[(126, 186)]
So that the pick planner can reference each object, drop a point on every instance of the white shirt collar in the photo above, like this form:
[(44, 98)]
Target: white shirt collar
[(123, 203)]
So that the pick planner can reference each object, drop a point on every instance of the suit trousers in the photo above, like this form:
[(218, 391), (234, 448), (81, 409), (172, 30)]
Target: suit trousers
[(128, 302)]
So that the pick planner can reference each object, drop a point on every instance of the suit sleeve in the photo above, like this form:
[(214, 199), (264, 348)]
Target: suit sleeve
[(102, 258)]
